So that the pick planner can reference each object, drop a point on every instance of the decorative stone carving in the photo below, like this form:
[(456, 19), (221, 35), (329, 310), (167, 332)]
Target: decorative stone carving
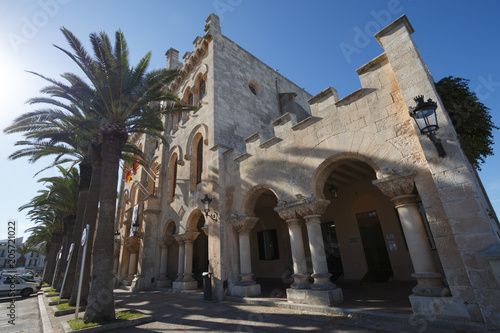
[(243, 223), (397, 185), (190, 237), (286, 212), (312, 206), (132, 244), (301, 208), (180, 238), (166, 241)]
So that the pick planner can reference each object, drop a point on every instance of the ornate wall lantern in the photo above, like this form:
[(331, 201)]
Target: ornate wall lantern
[(425, 117), (206, 208), (135, 230)]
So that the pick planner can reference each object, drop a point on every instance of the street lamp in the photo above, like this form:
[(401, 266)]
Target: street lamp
[(135, 230), (425, 117), (117, 237), (206, 208)]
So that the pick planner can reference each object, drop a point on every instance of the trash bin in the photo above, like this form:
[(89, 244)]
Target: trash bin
[(207, 286)]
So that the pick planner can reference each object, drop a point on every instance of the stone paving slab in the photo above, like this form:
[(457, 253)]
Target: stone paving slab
[(177, 312)]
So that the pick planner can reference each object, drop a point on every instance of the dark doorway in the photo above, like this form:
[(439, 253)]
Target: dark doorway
[(332, 250), (200, 253), (377, 258)]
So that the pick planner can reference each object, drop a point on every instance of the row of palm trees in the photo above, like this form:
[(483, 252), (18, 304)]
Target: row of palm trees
[(87, 122)]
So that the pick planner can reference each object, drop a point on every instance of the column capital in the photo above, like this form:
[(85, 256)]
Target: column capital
[(180, 238), (244, 223), (397, 185), (286, 212), (166, 241), (132, 244), (312, 206), (302, 208), (191, 236)]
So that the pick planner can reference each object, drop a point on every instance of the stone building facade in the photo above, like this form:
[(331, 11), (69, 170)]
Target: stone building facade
[(308, 189)]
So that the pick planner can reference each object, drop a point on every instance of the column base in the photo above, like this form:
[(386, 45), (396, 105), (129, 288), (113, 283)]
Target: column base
[(300, 281), (128, 280), (430, 285), (322, 282), (314, 297), (164, 283), (442, 307), (246, 291), (189, 285), (135, 283)]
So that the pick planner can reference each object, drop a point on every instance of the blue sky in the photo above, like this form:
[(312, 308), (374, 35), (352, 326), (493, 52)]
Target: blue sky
[(316, 44)]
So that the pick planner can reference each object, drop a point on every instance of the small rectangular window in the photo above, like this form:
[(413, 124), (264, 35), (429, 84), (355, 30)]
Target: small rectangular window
[(268, 245), (430, 238)]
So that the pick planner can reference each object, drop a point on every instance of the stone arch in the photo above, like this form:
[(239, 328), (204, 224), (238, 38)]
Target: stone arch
[(251, 197), (198, 129), (152, 174), (170, 228), (328, 165), (192, 221), (172, 175), (125, 202), (197, 140)]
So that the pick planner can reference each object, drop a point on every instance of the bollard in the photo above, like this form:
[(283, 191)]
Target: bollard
[(207, 286)]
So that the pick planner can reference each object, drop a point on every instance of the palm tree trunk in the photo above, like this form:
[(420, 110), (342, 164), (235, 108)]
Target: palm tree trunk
[(100, 305), (56, 241), (49, 253), (90, 218), (69, 224), (85, 178)]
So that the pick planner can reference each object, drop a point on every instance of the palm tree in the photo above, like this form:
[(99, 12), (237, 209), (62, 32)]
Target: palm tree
[(23, 250), (52, 208), (68, 131), (122, 97)]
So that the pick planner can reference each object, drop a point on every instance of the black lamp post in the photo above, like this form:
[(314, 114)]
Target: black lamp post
[(206, 208), (425, 117)]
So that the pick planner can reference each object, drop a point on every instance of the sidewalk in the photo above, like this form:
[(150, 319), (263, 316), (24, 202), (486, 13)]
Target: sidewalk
[(188, 312)]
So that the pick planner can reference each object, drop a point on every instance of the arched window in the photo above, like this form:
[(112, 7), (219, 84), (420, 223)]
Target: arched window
[(199, 160), (191, 99), (172, 177), (202, 89), (124, 208)]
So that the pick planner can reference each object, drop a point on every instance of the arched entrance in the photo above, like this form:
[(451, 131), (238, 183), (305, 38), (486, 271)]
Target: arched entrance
[(200, 251), (270, 245), (361, 230), (169, 252)]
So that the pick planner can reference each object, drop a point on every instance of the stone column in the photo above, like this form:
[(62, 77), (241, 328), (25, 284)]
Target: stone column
[(180, 262), (132, 244), (163, 281), (243, 227), (324, 293), (246, 286), (311, 210), (300, 275), (401, 189), (188, 256)]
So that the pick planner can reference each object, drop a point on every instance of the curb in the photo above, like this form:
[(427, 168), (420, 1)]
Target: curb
[(102, 328), (46, 326), (58, 312)]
